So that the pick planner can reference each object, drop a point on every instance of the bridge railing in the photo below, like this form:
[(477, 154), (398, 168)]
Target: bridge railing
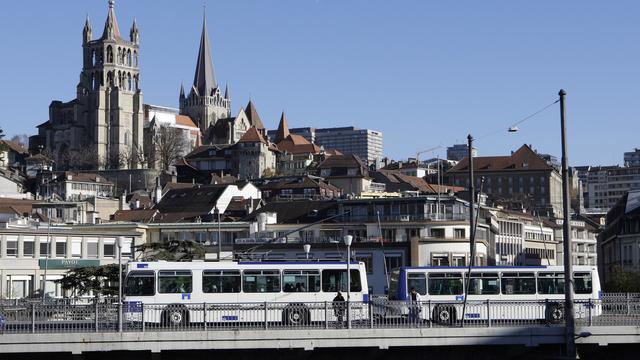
[(378, 313)]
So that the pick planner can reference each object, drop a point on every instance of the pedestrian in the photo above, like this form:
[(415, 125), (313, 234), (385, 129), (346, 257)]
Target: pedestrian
[(414, 306), (338, 308)]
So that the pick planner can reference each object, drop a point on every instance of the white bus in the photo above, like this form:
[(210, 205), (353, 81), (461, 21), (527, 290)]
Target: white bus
[(296, 293), (510, 287)]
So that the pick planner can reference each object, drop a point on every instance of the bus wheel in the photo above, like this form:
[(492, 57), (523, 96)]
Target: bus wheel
[(295, 316), (175, 316), (444, 314), (554, 313)]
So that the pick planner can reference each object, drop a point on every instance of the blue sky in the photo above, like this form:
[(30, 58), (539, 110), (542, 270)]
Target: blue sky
[(425, 73)]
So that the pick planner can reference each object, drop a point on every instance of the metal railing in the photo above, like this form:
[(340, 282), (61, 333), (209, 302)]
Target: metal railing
[(612, 310)]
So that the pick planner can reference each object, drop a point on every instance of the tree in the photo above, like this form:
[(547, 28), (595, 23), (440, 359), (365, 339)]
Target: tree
[(169, 145), (623, 281), (99, 280), (22, 139), (171, 250)]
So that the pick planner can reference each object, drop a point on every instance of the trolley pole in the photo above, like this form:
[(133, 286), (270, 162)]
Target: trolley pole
[(570, 342)]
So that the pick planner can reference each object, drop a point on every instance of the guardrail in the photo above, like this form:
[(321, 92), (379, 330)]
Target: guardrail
[(138, 317)]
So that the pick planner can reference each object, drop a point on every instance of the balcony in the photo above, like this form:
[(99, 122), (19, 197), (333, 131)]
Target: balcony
[(404, 218)]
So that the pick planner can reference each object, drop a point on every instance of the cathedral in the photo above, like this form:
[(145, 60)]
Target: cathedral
[(104, 126)]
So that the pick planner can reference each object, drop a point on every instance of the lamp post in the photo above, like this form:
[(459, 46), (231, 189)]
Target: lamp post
[(307, 248), (217, 212), (570, 340), (119, 284), (347, 241)]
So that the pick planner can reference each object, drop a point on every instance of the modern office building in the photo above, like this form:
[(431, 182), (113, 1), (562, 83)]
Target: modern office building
[(458, 152), (632, 158)]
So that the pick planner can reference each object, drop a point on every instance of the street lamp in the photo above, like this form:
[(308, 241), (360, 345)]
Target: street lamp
[(347, 241), (217, 212), (307, 248)]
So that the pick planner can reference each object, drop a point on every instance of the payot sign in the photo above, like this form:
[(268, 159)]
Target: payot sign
[(66, 263)]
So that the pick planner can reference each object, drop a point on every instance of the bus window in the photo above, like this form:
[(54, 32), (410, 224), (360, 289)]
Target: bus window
[(260, 281), (221, 281), (445, 284), (518, 283), (174, 281), (336, 280), (484, 284), (418, 281), (582, 283), (140, 283), (301, 281), (550, 283)]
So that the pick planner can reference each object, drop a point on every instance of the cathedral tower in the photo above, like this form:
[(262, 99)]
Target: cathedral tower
[(110, 91), (205, 104)]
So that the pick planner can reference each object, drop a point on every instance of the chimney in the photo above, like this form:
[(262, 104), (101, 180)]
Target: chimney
[(158, 190), (123, 200)]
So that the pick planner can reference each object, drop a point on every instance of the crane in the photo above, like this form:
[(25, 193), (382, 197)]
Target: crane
[(425, 151)]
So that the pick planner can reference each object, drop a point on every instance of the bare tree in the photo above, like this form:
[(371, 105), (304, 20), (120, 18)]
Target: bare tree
[(22, 139), (169, 145)]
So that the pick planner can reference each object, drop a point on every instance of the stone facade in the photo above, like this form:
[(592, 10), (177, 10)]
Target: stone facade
[(102, 127)]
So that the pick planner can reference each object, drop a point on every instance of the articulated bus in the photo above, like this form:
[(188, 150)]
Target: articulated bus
[(178, 293), (519, 292)]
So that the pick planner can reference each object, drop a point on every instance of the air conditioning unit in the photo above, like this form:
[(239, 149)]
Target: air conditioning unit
[(404, 217)]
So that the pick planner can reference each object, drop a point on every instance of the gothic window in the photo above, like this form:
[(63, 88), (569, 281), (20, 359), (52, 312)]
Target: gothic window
[(135, 58), (110, 78), (129, 83), (129, 57), (109, 54)]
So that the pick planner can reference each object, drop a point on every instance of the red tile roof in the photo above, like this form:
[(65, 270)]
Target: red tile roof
[(297, 144), (185, 121), (252, 135), (522, 159)]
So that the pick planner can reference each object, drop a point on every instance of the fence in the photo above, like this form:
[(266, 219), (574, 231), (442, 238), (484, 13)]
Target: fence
[(137, 317)]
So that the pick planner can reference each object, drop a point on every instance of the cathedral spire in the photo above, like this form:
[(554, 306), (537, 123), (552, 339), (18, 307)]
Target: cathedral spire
[(205, 79), (86, 31), (283, 129), (111, 30), (134, 34), (181, 90), (227, 93)]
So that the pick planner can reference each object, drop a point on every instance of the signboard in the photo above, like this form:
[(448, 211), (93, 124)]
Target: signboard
[(66, 263)]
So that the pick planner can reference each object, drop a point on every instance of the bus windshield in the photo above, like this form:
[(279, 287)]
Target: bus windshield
[(140, 283)]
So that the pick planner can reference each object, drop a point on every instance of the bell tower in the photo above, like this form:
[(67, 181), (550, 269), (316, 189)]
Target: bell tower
[(110, 90), (205, 103)]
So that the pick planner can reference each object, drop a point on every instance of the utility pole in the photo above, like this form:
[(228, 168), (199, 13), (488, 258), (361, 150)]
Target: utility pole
[(570, 342), (472, 200)]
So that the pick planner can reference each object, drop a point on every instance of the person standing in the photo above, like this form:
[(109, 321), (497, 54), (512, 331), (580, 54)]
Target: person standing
[(338, 308), (414, 306)]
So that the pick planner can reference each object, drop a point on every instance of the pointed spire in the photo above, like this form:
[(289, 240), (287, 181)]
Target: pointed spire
[(182, 90), (86, 31), (134, 34), (205, 79), (252, 115), (227, 94), (111, 29), (283, 129)]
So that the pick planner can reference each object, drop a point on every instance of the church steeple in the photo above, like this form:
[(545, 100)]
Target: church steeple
[(283, 129), (111, 30), (86, 31), (204, 80), (227, 93), (134, 34)]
